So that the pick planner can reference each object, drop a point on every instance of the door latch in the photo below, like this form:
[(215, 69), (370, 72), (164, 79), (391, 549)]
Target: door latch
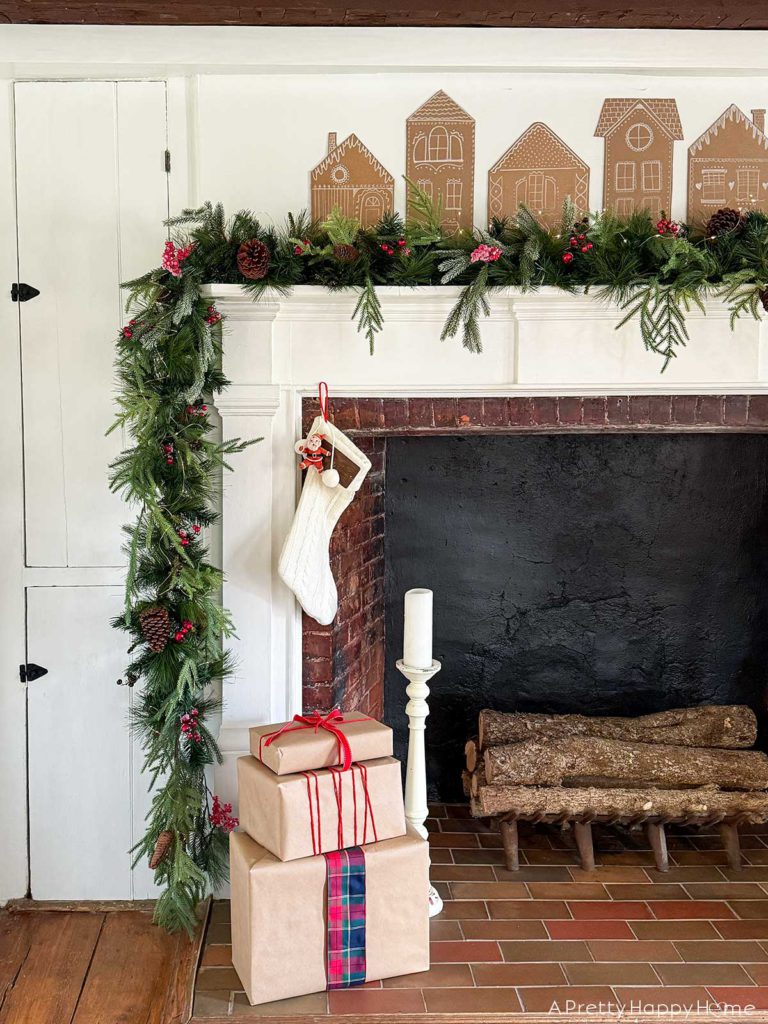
[(30, 672), (21, 292)]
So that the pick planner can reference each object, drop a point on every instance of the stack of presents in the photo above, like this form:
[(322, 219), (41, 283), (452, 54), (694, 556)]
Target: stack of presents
[(328, 884)]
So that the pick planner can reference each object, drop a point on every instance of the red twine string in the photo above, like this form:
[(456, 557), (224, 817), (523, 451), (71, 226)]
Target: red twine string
[(322, 397), (337, 781)]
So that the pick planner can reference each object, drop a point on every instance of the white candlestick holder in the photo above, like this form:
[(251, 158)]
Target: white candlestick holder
[(417, 709)]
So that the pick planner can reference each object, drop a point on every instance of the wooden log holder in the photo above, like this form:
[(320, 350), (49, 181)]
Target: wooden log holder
[(655, 830), (685, 767)]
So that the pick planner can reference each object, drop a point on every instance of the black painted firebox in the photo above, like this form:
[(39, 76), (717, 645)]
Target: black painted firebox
[(602, 574)]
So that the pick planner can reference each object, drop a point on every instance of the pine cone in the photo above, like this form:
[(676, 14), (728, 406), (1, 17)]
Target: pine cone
[(253, 260), (156, 627), (162, 848), (345, 253), (764, 298), (723, 222)]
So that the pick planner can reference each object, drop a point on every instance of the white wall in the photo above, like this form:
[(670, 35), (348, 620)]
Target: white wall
[(249, 111)]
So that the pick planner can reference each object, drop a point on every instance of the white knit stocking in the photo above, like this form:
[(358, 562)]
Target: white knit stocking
[(305, 562)]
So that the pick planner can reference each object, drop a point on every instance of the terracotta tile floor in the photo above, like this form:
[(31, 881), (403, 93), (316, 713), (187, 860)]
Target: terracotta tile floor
[(517, 942)]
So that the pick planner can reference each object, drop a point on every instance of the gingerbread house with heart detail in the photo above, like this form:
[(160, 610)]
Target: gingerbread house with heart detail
[(352, 180), (728, 166)]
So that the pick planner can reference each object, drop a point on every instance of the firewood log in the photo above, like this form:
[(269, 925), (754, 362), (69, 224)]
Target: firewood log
[(471, 751), (730, 727), (619, 804), (595, 762)]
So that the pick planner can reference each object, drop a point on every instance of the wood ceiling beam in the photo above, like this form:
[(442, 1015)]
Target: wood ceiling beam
[(687, 14)]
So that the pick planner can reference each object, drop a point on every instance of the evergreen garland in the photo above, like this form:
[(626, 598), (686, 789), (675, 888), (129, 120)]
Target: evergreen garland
[(168, 365)]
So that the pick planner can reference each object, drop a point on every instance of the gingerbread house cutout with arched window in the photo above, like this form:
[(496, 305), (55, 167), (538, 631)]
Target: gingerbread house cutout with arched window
[(540, 172), (440, 157)]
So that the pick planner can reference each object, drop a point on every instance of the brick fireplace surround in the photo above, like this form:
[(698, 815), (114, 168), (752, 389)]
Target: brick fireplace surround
[(343, 663)]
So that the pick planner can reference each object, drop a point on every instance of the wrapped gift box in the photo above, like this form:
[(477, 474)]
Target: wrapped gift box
[(329, 921), (304, 814), (305, 744)]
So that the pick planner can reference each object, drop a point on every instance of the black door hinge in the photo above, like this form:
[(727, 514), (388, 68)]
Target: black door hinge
[(30, 672), (167, 161), (21, 292)]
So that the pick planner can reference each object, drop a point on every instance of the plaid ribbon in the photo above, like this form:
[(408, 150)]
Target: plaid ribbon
[(345, 956)]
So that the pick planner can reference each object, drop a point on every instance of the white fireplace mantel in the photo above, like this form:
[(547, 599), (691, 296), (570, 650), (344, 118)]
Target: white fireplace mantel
[(277, 349)]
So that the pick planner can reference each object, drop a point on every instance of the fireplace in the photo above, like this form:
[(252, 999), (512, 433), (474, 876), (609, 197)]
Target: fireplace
[(537, 346), (601, 554)]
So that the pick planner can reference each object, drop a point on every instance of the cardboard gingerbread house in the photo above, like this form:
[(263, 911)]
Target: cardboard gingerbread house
[(352, 180), (440, 157), (640, 136), (538, 171), (728, 165)]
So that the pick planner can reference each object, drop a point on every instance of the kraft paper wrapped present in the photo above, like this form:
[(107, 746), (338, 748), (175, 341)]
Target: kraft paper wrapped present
[(331, 921), (317, 741), (315, 812)]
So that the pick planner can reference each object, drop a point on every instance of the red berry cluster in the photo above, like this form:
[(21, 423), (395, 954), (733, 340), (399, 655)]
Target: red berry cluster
[(186, 627), (668, 227), (401, 247), (578, 242), (168, 449), (189, 726), (302, 248), (221, 816), (184, 534), (173, 257), (127, 332), (197, 410), (213, 315)]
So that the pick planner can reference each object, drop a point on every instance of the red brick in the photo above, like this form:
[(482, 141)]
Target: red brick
[(344, 413), (684, 409), (758, 411), (709, 410), (589, 930), (395, 413), (520, 412), (660, 409), (668, 910), (735, 413), (741, 997), (469, 412), (420, 413), (569, 410), (640, 409), (317, 670), (370, 413), (444, 412), (544, 411), (317, 645), (617, 410), (495, 412), (595, 411), (317, 696), (603, 910)]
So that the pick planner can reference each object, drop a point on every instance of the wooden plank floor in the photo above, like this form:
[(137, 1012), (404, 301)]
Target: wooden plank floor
[(93, 966)]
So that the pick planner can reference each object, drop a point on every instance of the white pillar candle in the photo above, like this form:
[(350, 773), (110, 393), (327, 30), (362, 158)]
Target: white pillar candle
[(417, 632)]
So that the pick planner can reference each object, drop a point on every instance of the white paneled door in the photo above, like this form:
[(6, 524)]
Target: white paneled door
[(92, 195)]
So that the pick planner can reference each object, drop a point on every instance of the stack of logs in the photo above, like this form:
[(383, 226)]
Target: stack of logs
[(688, 766)]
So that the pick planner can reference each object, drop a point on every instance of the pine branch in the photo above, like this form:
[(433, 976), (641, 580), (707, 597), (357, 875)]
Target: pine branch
[(368, 313)]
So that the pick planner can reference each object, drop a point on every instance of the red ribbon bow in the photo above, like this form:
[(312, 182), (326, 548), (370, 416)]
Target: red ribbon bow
[(316, 721)]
